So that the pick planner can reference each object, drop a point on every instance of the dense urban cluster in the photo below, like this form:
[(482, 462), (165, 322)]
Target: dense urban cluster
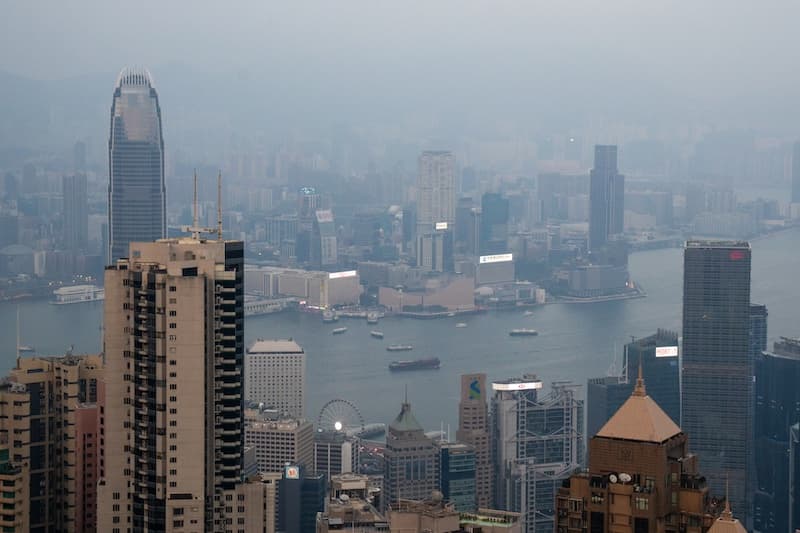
[(178, 425)]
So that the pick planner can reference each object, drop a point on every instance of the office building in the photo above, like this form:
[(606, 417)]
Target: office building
[(606, 198), (324, 252), (658, 355), (76, 213), (174, 425), (717, 381), (350, 506), (494, 224), (136, 190), (758, 329), (48, 439), (777, 412), (319, 290), (796, 172), (275, 376), (335, 453), (435, 251), (457, 475), (301, 495), (537, 444), (434, 513), (436, 192), (278, 442), (641, 477), (473, 429), (411, 461), (794, 477)]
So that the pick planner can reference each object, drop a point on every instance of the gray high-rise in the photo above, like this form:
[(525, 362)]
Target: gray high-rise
[(76, 213), (606, 197), (136, 191), (717, 385)]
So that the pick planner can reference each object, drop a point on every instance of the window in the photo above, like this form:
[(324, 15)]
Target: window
[(173, 312), (173, 325), (172, 288), (641, 503)]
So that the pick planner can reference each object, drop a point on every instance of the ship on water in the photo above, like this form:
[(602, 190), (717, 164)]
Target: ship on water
[(376, 334), (372, 317), (339, 331), (523, 332), (329, 316), (399, 348), (418, 364)]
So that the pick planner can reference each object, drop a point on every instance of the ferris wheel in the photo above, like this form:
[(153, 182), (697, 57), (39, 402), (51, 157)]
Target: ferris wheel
[(340, 415)]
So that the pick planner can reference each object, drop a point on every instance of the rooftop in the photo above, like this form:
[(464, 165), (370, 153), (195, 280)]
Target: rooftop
[(275, 346), (405, 421), (699, 243), (726, 523), (640, 419)]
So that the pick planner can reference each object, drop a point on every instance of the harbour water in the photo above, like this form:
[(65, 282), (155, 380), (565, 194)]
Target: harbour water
[(575, 341)]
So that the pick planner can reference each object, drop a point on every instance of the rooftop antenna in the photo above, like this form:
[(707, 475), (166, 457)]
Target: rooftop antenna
[(219, 206)]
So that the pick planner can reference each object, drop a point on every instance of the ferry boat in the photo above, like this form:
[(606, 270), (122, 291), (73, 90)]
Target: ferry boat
[(376, 334), (372, 317), (523, 332), (418, 364), (527, 313), (399, 348), (339, 331), (329, 316), (77, 294), (461, 325)]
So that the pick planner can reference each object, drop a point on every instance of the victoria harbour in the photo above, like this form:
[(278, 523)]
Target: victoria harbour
[(575, 341)]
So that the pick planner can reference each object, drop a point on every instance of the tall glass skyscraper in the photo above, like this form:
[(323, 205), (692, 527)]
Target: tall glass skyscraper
[(136, 191), (718, 366), (606, 197)]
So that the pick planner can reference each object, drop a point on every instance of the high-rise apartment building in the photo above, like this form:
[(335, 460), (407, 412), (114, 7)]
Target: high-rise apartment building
[(436, 192), (658, 355), (174, 349), (494, 224), (136, 190), (777, 411), (717, 375), (411, 461), (473, 429), (48, 431), (606, 198), (275, 375), (641, 477), (537, 444), (76, 213), (278, 442)]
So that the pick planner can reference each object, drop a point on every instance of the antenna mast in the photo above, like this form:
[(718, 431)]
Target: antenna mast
[(219, 206), (195, 233)]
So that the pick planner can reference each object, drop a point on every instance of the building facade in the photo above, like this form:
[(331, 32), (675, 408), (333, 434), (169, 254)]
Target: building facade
[(777, 412), (606, 198), (718, 367), (457, 475), (411, 461), (473, 429), (494, 224), (641, 477), (76, 213), (436, 191), (278, 442), (174, 348), (537, 444), (136, 190), (275, 375)]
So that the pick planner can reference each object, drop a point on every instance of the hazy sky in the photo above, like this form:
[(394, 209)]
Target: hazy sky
[(712, 60)]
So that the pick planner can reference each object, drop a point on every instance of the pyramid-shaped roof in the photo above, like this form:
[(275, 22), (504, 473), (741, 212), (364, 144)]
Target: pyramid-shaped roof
[(640, 419), (405, 421), (726, 523)]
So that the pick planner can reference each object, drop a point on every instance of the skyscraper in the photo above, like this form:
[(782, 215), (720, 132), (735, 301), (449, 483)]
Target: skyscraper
[(537, 444), (324, 252), (658, 355), (641, 477), (796, 172), (457, 474), (174, 349), (494, 224), (411, 461), (777, 411), (606, 198), (436, 192), (717, 381), (76, 213), (136, 190), (473, 429)]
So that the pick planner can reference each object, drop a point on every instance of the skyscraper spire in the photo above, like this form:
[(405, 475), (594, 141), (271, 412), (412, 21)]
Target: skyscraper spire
[(640, 390)]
